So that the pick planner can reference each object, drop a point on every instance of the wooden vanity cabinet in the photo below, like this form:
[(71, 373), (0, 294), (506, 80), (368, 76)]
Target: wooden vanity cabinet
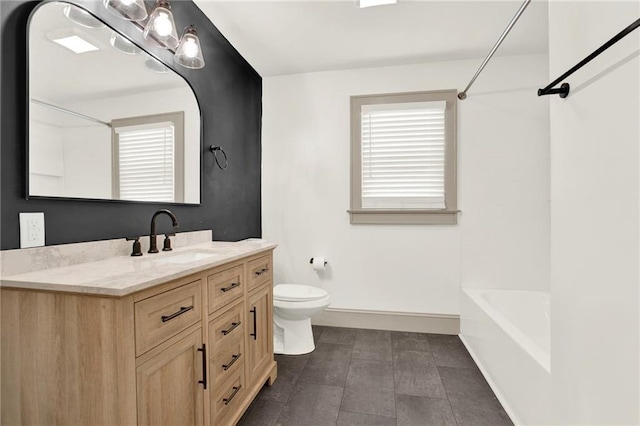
[(182, 352), (241, 338), (168, 386), (260, 324)]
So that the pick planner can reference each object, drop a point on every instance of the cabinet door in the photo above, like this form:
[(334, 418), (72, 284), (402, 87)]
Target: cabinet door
[(260, 331), (169, 389)]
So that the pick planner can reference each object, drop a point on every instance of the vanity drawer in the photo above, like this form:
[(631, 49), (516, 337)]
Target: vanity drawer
[(227, 328), (259, 271), (226, 363), (227, 398), (162, 316), (224, 287)]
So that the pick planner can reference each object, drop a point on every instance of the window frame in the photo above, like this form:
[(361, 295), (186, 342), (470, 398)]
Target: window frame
[(446, 216), (177, 118)]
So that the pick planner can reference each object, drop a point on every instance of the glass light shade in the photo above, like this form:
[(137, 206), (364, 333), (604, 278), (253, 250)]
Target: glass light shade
[(123, 45), (155, 65), (161, 28), (81, 17), (189, 52), (132, 10)]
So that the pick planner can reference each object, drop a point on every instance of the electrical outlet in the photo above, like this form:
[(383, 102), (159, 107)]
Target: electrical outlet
[(31, 230)]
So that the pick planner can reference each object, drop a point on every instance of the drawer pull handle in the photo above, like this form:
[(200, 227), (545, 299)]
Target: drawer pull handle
[(254, 311), (234, 358), (233, 327), (182, 310), (203, 349), (231, 287), (233, 394), (262, 271)]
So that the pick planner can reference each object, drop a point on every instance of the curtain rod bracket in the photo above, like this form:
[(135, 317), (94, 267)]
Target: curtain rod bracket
[(563, 91)]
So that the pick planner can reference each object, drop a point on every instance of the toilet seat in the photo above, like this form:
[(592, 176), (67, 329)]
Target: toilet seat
[(298, 293)]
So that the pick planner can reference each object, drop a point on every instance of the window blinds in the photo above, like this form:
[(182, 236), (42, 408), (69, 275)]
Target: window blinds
[(146, 162), (403, 155)]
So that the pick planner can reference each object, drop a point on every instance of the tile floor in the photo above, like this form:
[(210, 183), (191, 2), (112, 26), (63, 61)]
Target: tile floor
[(373, 377)]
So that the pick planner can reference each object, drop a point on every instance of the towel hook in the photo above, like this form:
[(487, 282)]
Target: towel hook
[(214, 149)]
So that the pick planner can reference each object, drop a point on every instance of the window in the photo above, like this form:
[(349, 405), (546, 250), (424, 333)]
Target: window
[(403, 158), (148, 157)]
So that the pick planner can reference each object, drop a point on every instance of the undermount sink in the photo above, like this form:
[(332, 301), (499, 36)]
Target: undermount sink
[(186, 257)]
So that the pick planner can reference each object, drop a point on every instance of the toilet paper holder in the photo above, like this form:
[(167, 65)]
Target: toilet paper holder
[(311, 262)]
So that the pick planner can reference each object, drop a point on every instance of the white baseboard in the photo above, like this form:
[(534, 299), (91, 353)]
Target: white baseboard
[(386, 320)]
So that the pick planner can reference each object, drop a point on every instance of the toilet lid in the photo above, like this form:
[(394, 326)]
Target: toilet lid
[(297, 292)]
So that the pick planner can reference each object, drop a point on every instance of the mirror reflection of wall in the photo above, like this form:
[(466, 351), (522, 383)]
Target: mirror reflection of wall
[(76, 98)]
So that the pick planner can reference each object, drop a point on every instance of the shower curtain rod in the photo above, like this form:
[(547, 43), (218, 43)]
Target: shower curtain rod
[(563, 90), (66, 111), (463, 95)]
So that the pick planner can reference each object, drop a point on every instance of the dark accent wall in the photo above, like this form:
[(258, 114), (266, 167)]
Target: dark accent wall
[(230, 95)]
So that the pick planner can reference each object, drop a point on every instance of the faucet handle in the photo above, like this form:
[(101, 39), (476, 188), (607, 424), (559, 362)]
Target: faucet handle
[(137, 249), (167, 242)]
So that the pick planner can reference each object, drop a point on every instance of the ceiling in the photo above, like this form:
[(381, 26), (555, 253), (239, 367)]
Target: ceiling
[(286, 37)]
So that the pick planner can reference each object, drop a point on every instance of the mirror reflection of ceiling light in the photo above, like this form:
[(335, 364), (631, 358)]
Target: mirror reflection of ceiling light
[(132, 10), (123, 45), (81, 17), (155, 65), (189, 52), (74, 40), (370, 3)]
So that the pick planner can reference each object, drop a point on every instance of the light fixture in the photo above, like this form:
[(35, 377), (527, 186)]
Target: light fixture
[(371, 3), (160, 27), (189, 52), (155, 65), (132, 10), (81, 17), (75, 43), (123, 45)]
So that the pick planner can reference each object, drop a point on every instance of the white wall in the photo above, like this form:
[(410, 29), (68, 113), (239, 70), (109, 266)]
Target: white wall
[(595, 139), (502, 236), (88, 161), (46, 155)]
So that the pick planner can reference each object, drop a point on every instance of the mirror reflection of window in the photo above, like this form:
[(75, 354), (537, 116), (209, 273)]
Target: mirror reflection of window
[(148, 156)]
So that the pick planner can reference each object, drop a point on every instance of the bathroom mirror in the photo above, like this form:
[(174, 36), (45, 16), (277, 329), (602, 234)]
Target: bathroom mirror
[(107, 121)]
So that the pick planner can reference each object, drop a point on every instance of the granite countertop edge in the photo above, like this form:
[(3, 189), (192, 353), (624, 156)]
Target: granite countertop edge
[(139, 273)]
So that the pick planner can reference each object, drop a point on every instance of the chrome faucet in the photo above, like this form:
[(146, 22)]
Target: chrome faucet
[(153, 244)]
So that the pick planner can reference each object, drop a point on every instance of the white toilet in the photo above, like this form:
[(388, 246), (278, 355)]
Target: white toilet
[(294, 304)]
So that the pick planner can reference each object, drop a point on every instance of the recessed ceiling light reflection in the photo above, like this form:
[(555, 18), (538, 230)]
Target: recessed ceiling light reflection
[(76, 44), (81, 17), (123, 45), (155, 65)]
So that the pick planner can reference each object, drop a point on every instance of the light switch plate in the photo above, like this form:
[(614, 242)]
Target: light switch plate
[(31, 230)]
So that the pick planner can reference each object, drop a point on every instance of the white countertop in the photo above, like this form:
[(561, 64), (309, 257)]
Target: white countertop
[(123, 275)]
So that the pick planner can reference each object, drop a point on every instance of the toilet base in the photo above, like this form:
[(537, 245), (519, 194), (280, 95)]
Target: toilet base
[(292, 337)]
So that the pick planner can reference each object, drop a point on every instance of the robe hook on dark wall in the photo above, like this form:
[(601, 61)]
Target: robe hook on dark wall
[(215, 149)]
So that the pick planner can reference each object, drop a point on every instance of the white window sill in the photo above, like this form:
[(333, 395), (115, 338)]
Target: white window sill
[(403, 217)]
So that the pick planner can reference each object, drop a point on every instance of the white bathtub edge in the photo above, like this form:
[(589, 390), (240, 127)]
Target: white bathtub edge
[(503, 401), (539, 355)]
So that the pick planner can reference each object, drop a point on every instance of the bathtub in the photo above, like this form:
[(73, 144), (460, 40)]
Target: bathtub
[(507, 333)]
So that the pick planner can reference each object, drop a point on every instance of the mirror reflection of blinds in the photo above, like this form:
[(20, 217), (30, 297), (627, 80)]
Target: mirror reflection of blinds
[(403, 155), (146, 159)]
